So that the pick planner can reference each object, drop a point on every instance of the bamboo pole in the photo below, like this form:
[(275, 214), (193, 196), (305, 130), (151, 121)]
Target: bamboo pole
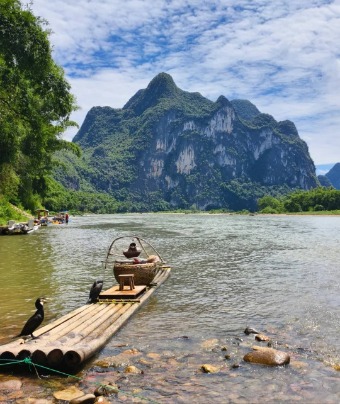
[(71, 324), (23, 354), (104, 312), (7, 355), (95, 332), (97, 328), (99, 324), (55, 358), (39, 357), (61, 320)]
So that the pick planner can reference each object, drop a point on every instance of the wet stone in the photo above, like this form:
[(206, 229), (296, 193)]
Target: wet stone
[(209, 344), (250, 330), (68, 394), (31, 400), (106, 390), (10, 385), (102, 400), (102, 363), (153, 356), (235, 365), (298, 364), (132, 369), (262, 337), (206, 368), (15, 395), (267, 356), (85, 399)]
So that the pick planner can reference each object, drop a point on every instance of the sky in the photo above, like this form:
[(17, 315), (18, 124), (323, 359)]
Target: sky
[(282, 55)]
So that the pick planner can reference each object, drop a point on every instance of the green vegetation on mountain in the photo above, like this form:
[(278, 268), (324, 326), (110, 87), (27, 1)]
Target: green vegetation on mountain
[(170, 149)]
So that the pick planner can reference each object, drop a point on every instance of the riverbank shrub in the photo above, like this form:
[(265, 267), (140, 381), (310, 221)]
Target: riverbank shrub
[(10, 212), (319, 199)]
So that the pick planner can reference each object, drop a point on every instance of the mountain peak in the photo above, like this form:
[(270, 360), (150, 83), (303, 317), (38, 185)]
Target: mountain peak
[(334, 176), (161, 86)]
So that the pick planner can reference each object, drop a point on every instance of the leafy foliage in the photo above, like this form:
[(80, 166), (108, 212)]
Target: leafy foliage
[(9, 212), (58, 199), (35, 104), (315, 200)]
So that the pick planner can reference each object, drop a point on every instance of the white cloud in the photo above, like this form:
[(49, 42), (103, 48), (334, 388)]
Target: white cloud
[(283, 56)]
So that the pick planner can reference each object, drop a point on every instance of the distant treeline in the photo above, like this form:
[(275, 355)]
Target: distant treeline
[(315, 200)]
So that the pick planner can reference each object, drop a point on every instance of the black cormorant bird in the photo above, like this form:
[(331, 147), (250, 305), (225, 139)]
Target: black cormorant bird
[(95, 290), (34, 321)]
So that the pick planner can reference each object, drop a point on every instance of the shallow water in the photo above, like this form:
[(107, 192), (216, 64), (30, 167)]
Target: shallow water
[(278, 274)]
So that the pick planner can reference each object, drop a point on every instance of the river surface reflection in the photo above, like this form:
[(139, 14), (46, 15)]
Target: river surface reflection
[(278, 274)]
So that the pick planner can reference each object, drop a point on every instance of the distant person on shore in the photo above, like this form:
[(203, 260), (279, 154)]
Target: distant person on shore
[(66, 218)]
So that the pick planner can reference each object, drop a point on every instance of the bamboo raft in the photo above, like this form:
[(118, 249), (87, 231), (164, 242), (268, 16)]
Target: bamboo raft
[(68, 342)]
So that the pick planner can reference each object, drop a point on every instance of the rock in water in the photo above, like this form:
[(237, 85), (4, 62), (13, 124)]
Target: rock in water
[(250, 330), (267, 356), (261, 337)]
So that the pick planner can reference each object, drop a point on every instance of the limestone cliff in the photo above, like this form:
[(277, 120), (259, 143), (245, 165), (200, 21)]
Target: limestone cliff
[(185, 150)]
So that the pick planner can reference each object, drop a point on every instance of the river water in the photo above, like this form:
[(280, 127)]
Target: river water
[(277, 274)]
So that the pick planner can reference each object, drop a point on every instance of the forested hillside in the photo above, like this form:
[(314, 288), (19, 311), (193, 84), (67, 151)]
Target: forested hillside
[(171, 149)]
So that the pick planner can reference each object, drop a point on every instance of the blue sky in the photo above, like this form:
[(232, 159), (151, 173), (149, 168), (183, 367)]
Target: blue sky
[(282, 55)]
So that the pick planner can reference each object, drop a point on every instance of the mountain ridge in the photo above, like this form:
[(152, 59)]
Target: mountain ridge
[(169, 148)]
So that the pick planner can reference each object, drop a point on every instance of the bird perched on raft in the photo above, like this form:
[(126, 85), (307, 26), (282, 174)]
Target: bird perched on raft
[(95, 290), (35, 320)]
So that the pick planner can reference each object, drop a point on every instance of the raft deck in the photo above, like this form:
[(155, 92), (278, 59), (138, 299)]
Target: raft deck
[(66, 343)]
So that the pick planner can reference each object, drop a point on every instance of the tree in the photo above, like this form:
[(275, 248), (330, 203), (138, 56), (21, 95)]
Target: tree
[(35, 103), (269, 204)]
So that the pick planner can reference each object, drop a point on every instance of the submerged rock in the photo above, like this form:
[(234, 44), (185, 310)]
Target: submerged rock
[(250, 330), (85, 399), (209, 344), (102, 400), (261, 337), (132, 369), (68, 394), (106, 389), (298, 364), (10, 385), (267, 356), (209, 368)]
